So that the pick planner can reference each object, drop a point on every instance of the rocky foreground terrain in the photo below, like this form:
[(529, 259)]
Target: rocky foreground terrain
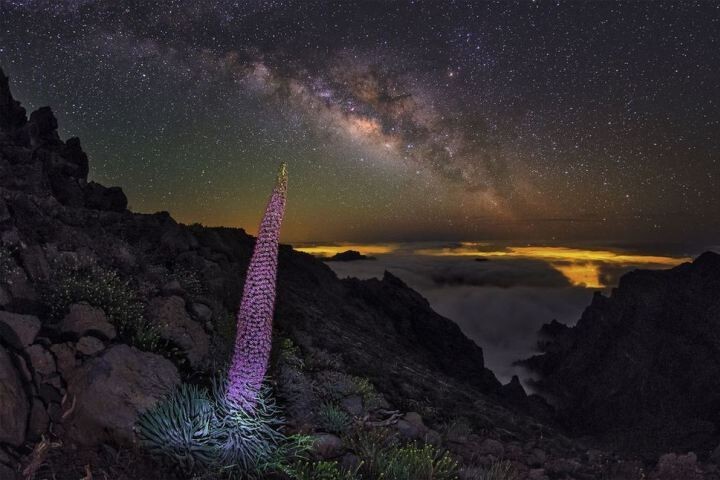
[(103, 310), (641, 367)]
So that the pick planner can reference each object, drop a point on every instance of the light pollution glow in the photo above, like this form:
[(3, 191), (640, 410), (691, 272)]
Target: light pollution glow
[(582, 267)]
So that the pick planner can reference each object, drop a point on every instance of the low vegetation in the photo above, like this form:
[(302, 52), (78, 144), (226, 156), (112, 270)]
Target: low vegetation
[(333, 419), (383, 457), (200, 432), (103, 288)]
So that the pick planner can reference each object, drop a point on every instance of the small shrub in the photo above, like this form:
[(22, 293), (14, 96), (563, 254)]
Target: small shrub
[(333, 419), (189, 280), (370, 396), (321, 470), (102, 288), (200, 431), (290, 353), (383, 457), (502, 470), (457, 427), (370, 446), (423, 407), (334, 386), (413, 462)]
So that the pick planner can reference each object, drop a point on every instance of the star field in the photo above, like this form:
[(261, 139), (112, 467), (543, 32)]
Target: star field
[(407, 120)]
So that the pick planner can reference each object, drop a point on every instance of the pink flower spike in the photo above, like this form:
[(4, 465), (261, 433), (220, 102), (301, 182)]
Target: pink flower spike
[(255, 316)]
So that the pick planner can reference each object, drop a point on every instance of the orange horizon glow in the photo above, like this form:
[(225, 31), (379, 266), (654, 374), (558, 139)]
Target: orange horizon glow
[(580, 266), (330, 250)]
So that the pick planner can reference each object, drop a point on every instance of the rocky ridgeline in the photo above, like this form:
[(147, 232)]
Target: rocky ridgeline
[(641, 366), (102, 311)]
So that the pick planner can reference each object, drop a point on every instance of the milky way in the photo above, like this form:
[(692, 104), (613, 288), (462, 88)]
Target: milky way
[(531, 121)]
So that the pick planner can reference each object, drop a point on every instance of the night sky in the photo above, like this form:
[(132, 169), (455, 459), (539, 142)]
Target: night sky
[(539, 122)]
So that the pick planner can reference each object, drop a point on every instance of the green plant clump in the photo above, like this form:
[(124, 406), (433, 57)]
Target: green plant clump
[(290, 353), (333, 419), (201, 432), (370, 396), (411, 462), (383, 457), (321, 470), (102, 288)]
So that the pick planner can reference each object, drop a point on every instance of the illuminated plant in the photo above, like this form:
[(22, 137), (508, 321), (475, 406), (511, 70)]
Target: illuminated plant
[(199, 432), (254, 318)]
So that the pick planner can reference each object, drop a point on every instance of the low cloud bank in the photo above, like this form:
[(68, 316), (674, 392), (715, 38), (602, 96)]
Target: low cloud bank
[(500, 303)]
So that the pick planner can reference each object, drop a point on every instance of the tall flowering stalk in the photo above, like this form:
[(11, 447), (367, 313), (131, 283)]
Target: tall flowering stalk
[(254, 318)]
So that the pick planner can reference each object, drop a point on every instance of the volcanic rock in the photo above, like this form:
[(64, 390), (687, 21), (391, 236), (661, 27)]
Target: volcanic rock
[(104, 198), (176, 325), (112, 389), (18, 330), (641, 366), (84, 319)]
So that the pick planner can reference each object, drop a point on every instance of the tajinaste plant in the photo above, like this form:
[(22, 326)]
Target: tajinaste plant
[(254, 318)]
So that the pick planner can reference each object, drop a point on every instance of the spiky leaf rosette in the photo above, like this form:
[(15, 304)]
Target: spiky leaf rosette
[(200, 431), (248, 439), (255, 315), (182, 428)]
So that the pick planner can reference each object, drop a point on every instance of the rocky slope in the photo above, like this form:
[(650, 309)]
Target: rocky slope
[(103, 310), (641, 366)]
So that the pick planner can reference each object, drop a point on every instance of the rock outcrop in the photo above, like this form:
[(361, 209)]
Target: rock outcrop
[(113, 389), (641, 366)]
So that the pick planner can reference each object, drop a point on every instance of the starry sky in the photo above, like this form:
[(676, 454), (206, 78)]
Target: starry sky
[(532, 121)]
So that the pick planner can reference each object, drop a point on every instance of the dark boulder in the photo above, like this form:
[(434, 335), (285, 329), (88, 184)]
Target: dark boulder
[(84, 319), (113, 389), (176, 325)]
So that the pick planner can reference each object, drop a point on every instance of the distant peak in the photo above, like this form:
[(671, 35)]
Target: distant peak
[(707, 258)]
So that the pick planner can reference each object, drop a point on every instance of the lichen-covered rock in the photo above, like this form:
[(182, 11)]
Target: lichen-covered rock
[(113, 389), (13, 402)]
